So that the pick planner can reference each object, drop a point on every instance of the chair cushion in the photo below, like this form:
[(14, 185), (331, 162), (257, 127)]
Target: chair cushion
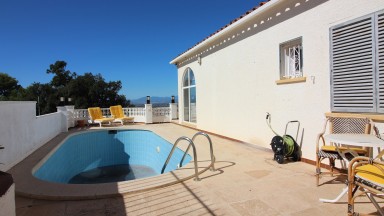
[(359, 151), (371, 176), (117, 111), (95, 113), (126, 118), (104, 120)]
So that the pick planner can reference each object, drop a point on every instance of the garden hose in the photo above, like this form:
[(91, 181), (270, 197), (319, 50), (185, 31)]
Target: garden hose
[(288, 141)]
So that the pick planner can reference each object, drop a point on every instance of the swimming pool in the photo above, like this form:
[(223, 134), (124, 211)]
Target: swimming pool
[(108, 156)]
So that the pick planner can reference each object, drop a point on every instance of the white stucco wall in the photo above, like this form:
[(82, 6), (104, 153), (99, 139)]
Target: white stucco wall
[(235, 82), (22, 132)]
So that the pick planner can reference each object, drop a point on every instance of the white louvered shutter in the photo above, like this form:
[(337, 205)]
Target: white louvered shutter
[(380, 59), (353, 66)]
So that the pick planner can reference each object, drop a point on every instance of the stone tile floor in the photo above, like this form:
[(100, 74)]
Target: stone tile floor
[(247, 182)]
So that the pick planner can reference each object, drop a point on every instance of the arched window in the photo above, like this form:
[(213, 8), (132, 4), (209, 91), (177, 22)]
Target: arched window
[(189, 96)]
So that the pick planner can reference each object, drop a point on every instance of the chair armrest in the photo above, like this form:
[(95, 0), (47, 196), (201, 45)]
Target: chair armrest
[(354, 163), (361, 161), (321, 135)]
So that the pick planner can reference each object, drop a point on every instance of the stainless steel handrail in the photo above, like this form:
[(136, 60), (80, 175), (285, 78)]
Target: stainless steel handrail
[(194, 155), (213, 159)]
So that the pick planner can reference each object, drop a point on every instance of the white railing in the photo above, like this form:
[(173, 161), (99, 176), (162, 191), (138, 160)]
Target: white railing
[(80, 114), (138, 113), (161, 114), (145, 114), (134, 111)]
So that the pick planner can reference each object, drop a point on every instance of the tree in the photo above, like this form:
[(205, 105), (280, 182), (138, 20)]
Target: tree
[(45, 95), (86, 91), (62, 76), (90, 90), (8, 85)]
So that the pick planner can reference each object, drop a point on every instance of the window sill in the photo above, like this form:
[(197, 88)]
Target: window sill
[(291, 81)]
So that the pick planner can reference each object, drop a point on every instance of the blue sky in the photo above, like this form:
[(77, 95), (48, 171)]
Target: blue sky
[(128, 40)]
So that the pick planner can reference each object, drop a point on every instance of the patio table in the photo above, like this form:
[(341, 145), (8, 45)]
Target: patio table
[(362, 140)]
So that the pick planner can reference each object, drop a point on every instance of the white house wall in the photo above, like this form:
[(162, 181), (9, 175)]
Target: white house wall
[(235, 82)]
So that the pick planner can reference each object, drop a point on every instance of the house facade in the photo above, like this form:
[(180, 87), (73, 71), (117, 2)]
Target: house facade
[(294, 59)]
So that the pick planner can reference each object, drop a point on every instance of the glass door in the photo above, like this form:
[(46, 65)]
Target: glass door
[(189, 96)]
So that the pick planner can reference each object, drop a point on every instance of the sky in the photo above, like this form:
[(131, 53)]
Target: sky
[(128, 40)]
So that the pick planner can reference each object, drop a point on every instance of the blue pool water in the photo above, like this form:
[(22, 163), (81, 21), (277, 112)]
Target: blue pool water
[(108, 156)]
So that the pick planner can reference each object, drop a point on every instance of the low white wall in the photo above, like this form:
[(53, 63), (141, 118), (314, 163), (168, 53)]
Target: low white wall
[(7, 202), (22, 132), (48, 126)]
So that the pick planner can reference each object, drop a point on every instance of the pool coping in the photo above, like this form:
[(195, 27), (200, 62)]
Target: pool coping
[(29, 186)]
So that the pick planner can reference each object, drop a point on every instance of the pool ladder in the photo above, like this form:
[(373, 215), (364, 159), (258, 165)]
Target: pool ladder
[(191, 143)]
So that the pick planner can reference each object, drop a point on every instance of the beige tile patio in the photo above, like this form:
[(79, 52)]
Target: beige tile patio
[(254, 207), (247, 182)]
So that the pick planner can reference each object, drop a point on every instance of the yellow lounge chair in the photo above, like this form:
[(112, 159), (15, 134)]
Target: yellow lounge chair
[(96, 116), (118, 113)]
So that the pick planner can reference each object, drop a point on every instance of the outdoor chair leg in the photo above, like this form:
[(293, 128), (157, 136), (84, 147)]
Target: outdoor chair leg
[(374, 202), (318, 169), (332, 164), (318, 173), (350, 199), (317, 176)]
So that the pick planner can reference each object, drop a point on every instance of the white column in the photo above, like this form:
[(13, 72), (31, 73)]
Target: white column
[(70, 118), (61, 109), (148, 113), (173, 107), (64, 124)]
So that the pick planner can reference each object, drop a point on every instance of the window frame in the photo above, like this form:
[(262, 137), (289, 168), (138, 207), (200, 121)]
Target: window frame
[(283, 60), (188, 88)]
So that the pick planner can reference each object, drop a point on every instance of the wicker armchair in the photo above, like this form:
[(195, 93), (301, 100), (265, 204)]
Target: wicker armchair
[(353, 125), (365, 176)]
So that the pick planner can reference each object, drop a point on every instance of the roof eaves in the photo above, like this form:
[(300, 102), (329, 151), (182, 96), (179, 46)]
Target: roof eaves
[(234, 23)]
